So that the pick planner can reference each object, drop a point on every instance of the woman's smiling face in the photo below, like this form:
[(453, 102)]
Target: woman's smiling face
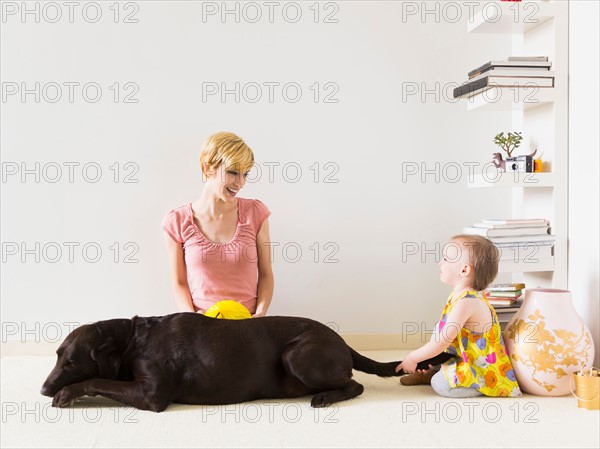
[(227, 182)]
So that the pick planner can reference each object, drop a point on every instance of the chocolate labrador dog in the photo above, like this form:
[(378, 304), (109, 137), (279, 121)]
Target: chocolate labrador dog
[(192, 359)]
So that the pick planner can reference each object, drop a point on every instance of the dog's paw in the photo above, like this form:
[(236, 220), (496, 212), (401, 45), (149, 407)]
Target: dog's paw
[(321, 400), (66, 396)]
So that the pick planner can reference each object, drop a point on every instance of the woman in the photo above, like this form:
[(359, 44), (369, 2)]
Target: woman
[(219, 245)]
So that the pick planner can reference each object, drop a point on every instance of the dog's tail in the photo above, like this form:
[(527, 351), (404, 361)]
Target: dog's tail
[(388, 369), (367, 365)]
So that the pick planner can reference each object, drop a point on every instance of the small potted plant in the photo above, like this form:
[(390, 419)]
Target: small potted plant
[(508, 144)]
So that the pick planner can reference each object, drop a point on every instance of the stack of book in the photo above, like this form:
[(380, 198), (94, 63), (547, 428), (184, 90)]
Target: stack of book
[(505, 299), (503, 295), (516, 71), (520, 241)]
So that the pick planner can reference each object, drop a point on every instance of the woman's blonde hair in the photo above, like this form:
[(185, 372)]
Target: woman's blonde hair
[(484, 257), (226, 148)]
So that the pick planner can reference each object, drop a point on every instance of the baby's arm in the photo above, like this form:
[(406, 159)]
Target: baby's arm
[(440, 340)]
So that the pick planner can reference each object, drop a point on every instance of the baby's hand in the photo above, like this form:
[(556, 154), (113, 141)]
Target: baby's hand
[(424, 370), (408, 365)]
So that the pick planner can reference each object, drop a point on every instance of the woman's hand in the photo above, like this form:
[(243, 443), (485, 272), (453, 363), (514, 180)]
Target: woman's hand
[(258, 314)]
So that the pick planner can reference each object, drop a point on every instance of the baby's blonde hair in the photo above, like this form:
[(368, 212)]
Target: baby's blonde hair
[(226, 148), (484, 257)]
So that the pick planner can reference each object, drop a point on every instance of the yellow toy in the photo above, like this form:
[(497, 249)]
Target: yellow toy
[(229, 310)]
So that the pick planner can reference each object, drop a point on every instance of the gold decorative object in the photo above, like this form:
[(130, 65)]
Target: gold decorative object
[(587, 389), (548, 342)]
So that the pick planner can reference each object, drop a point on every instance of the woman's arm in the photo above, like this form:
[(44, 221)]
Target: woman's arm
[(181, 289), (266, 281)]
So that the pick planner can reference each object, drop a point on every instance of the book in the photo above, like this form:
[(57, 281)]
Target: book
[(537, 71), (505, 313), (519, 231), (524, 238), (510, 225), (514, 72), (505, 221), (506, 287), (493, 95), (501, 302), (507, 309), (504, 305), (500, 295), (523, 245), (528, 58), (489, 82), (510, 63), (512, 307)]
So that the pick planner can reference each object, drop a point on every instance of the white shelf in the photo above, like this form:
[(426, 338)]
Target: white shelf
[(533, 28), (510, 17), (509, 266), (511, 98), (511, 179)]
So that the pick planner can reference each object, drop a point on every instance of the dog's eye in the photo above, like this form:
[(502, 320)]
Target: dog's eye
[(69, 363)]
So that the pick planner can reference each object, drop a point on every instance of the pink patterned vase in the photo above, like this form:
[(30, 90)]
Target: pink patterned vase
[(547, 342)]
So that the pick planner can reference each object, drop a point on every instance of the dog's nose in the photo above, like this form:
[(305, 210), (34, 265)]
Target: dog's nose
[(46, 391)]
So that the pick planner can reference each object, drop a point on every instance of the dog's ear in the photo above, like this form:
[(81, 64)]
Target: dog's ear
[(107, 358)]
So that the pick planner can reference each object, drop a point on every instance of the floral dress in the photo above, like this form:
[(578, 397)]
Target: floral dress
[(481, 362)]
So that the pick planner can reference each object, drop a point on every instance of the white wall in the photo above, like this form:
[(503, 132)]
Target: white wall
[(584, 163), (370, 55)]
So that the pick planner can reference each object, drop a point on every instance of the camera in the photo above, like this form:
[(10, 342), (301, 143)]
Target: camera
[(520, 164)]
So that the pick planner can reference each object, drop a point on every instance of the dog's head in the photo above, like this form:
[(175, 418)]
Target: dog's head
[(89, 351)]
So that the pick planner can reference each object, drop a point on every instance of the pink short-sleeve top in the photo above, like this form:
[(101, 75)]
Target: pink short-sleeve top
[(219, 271)]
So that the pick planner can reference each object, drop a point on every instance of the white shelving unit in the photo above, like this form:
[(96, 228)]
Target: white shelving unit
[(535, 28), (512, 179), (512, 99)]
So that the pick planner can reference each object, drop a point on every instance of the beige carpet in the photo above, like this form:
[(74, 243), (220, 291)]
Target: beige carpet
[(386, 415)]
